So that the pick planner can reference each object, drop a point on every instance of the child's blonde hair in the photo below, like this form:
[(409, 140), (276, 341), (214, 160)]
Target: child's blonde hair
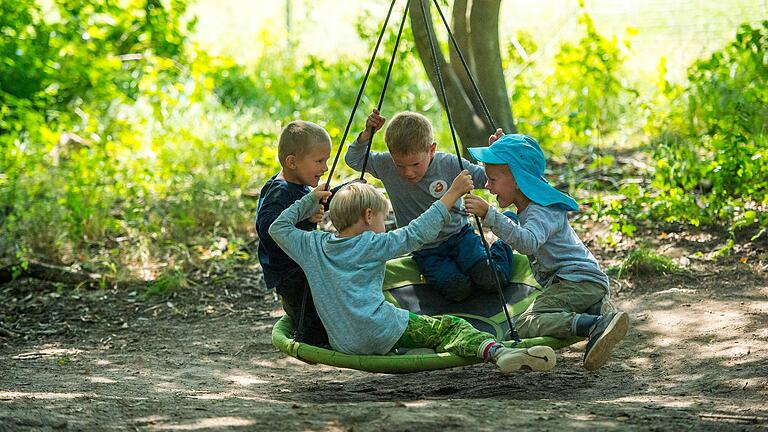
[(409, 133), (298, 137), (349, 203)]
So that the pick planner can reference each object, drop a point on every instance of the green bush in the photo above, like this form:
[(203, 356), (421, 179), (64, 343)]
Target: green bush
[(712, 139), (113, 154), (582, 100)]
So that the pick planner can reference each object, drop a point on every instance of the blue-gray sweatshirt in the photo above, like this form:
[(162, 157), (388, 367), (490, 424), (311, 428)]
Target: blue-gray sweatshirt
[(552, 246), (346, 274), (409, 200)]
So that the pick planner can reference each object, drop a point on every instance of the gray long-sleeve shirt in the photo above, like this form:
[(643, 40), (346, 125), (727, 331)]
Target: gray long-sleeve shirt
[(552, 246), (346, 274), (409, 200)]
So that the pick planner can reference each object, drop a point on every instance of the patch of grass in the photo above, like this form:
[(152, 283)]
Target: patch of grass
[(165, 285), (643, 261), (724, 251)]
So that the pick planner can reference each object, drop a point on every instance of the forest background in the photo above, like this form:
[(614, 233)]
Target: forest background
[(134, 135)]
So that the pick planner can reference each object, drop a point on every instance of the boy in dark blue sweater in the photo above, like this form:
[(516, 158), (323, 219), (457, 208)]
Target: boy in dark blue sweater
[(303, 151)]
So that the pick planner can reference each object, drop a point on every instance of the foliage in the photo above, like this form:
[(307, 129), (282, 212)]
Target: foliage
[(711, 141), (643, 261), (583, 99), (114, 155), (166, 284), (127, 150)]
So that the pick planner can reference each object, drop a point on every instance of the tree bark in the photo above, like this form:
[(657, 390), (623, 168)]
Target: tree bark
[(484, 26), (477, 36)]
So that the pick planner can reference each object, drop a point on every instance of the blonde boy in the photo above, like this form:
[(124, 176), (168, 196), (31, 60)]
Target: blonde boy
[(415, 176), (346, 274)]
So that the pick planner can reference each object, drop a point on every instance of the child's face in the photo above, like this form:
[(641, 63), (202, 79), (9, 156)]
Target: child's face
[(502, 183), (311, 166), (413, 166)]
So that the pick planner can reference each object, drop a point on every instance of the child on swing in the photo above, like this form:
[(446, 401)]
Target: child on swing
[(575, 289), (415, 176), (303, 151), (346, 273)]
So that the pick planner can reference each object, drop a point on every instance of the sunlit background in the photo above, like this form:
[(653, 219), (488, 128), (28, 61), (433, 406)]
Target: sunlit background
[(679, 30), (135, 135)]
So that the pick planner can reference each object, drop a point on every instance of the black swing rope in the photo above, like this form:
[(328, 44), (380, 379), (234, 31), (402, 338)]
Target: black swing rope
[(384, 89), (431, 36), (486, 111), (300, 327)]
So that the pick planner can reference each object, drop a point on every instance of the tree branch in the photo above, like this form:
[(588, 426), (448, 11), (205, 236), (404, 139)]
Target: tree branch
[(48, 272)]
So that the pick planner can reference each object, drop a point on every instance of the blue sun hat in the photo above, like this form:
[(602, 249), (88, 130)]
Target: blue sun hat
[(526, 162)]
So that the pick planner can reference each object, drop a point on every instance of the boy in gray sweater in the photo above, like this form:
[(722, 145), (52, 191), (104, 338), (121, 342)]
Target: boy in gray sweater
[(346, 273), (415, 176), (575, 289)]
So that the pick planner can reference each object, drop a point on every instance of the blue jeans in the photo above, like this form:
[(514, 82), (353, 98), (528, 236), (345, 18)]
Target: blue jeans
[(449, 265)]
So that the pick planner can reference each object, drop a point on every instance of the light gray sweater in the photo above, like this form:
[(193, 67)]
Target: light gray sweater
[(552, 246), (346, 274), (409, 200)]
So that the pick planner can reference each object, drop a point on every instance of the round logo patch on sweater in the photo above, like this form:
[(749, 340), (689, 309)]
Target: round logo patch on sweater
[(437, 188)]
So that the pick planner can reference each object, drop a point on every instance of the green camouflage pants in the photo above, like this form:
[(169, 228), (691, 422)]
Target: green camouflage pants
[(552, 313), (444, 333)]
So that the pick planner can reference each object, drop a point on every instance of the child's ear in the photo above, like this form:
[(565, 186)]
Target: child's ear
[(368, 216), (290, 162), (432, 149)]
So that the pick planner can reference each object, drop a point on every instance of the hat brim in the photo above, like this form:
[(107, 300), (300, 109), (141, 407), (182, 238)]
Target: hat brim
[(486, 155), (539, 191)]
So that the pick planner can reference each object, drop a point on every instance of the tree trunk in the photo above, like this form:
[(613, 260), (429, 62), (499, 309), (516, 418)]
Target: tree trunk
[(480, 49)]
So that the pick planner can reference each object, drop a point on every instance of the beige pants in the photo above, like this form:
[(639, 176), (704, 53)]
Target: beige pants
[(552, 313)]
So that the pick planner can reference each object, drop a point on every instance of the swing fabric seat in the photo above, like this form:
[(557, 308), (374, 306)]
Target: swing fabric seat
[(405, 287)]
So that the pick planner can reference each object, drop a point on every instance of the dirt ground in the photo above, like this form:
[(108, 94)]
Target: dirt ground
[(696, 358)]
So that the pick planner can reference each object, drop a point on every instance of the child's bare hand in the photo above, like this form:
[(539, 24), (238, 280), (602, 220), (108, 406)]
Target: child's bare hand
[(462, 183), (321, 194), (374, 122), (498, 134), (317, 217), (476, 205)]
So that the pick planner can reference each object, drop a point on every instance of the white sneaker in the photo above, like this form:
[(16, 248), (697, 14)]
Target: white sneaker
[(537, 358)]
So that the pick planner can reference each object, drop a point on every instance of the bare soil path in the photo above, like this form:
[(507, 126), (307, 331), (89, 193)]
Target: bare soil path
[(696, 358)]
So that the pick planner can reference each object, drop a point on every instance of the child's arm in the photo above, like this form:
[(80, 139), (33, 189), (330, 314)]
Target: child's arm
[(526, 239), (355, 156), (424, 228), (283, 230)]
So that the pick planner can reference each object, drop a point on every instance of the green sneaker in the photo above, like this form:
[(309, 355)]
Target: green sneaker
[(608, 331), (538, 358)]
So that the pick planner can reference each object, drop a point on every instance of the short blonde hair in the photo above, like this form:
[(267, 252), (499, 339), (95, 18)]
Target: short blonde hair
[(409, 133), (349, 203), (298, 137)]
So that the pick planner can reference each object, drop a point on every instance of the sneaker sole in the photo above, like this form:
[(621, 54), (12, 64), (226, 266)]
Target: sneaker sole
[(538, 358), (613, 334)]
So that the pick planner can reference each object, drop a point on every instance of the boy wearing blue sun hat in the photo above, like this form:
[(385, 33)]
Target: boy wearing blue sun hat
[(574, 286)]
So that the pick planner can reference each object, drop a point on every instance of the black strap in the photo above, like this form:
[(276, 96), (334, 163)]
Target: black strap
[(486, 111), (430, 36), (300, 327), (360, 93), (384, 90)]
